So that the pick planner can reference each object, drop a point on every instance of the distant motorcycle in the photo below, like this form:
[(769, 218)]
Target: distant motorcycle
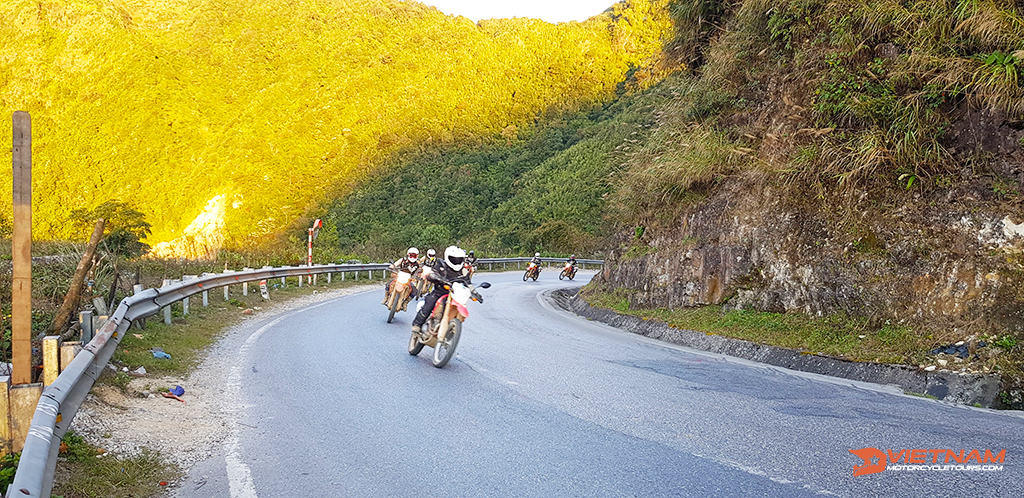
[(568, 271), (532, 271), (444, 326), (398, 296)]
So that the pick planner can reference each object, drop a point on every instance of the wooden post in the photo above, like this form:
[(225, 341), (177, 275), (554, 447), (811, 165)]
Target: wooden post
[(67, 308), (21, 251)]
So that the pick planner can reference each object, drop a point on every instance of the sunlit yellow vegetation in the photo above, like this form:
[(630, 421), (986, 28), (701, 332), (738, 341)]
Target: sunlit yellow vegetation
[(166, 104)]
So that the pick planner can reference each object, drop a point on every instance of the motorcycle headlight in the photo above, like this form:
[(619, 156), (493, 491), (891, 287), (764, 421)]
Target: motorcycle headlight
[(403, 277), (461, 294)]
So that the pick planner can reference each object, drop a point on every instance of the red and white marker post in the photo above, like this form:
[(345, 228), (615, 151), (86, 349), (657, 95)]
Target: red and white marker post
[(313, 232)]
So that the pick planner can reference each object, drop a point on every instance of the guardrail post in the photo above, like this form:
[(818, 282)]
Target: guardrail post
[(245, 285), (328, 278), (51, 359), (300, 281), (314, 278), (185, 301), (518, 263), (141, 322), (227, 288), (283, 283), (342, 276), (85, 321), (167, 309)]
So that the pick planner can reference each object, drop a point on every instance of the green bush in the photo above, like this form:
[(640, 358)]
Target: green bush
[(8, 466)]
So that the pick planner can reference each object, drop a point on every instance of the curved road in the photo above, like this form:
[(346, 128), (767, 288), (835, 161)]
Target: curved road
[(541, 403)]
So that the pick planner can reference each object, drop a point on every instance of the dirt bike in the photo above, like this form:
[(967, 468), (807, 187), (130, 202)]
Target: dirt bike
[(444, 326), (398, 296), (532, 271), (568, 271)]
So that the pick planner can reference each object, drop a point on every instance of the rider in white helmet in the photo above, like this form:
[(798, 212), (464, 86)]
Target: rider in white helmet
[(536, 261), (410, 263), (450, 268), (429, 259)]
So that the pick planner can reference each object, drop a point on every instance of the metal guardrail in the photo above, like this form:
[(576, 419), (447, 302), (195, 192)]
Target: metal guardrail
[(493, 261), (61, 400)]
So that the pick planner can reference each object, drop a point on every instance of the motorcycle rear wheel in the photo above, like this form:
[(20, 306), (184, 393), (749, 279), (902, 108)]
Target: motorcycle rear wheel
[(415, 346), (444, 350)]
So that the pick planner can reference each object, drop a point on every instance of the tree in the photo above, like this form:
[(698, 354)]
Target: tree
[(125, 229)]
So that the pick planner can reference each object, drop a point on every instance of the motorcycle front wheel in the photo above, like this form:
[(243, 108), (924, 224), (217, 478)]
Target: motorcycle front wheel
[(444, 350), (395, 297), (561, 276), (526, 275), (415, 346)]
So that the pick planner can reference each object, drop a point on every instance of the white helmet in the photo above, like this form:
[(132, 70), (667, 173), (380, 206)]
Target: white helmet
[(413, 253), (536, 254), (454, 257), (431, 253)]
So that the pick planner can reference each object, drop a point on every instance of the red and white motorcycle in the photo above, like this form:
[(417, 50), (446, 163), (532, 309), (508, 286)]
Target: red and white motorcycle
[(444, 326)]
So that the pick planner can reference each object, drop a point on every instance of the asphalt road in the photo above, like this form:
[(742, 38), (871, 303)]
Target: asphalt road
[(541, 403)]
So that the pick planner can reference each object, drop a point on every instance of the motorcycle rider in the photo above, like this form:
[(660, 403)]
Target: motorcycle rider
[(429, 259), (536, 261), (410, 263), (572, 260), (471, 261), (450, 268)]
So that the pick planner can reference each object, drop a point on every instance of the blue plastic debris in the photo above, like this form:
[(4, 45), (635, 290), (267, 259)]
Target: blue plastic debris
[(177, 391), (162, 355)]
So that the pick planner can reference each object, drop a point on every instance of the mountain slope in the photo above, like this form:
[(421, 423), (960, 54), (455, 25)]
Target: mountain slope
[(169, 104)]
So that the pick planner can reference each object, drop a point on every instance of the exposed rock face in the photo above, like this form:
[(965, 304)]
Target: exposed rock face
[(927, 259)]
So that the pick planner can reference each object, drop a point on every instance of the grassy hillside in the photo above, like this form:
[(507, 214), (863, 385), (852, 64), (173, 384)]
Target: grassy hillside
[(166, 104), (545, 191), (823, 96)]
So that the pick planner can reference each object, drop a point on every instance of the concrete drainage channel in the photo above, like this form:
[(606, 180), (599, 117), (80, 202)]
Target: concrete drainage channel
[(948, 386)]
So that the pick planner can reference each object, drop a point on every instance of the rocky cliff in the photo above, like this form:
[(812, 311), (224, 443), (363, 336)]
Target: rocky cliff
[(946, 261)]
